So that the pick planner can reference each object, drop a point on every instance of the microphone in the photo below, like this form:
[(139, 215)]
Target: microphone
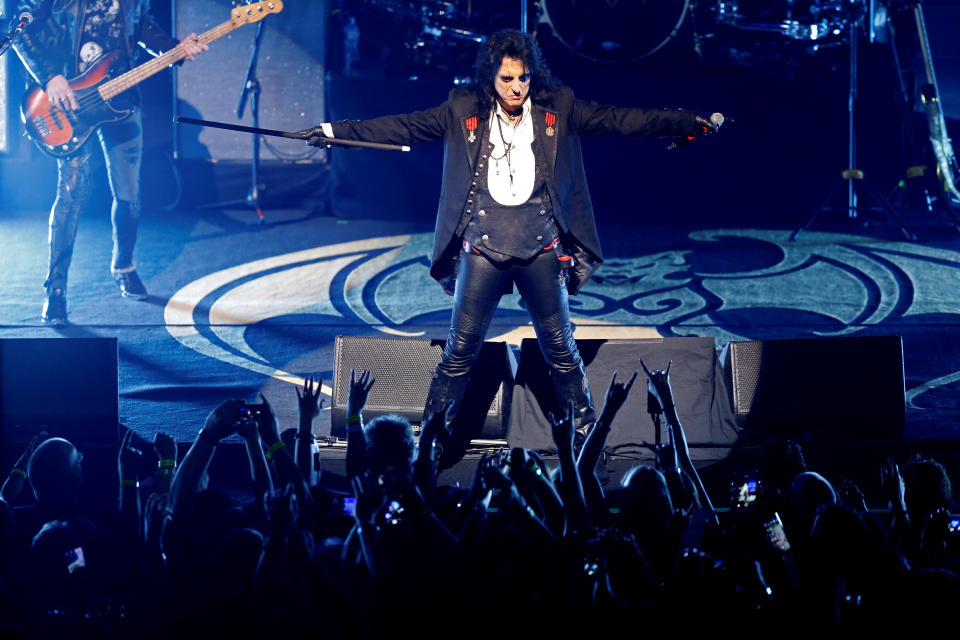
[(6, 41), (715, 120)]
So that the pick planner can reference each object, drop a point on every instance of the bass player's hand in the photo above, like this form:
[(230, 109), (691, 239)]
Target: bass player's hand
[(59, 94), (192, 46)]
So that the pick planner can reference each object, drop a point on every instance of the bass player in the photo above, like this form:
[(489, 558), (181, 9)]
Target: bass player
[(65, 38)]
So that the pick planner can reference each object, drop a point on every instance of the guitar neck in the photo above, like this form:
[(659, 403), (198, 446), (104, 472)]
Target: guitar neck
[(137, 75)]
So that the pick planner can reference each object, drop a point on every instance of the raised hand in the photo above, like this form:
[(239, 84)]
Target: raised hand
[(165, 446), (850, 495), (28, 451), (309, 403), (359, 390), (617, 394), (266, 420), (495, 471), (894, 488), (248, 430), (223, 420), (658, 384)]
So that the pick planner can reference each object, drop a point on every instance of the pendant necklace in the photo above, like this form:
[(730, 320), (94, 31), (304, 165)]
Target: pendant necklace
[(507, 147)]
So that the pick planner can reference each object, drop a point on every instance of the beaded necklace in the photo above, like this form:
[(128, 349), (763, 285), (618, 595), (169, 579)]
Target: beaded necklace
[(507, 147)]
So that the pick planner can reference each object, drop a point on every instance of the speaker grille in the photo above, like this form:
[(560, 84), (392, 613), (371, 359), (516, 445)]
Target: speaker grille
[(403, 369), (747, 358)]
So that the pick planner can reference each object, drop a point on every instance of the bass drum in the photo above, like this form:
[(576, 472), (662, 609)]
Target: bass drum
[(614, 30)]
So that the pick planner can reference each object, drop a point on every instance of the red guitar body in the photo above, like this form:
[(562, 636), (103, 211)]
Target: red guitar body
[(61, 133)]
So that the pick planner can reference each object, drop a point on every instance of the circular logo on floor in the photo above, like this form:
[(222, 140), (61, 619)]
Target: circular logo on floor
[(731, 284)]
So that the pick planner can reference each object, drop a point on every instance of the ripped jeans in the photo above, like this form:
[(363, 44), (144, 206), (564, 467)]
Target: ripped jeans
[(122, 145)]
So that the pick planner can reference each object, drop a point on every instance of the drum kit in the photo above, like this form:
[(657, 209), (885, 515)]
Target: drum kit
[(773, 35), (624, 31)]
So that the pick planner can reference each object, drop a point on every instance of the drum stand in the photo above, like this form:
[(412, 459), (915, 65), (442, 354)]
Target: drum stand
[(852, 177)]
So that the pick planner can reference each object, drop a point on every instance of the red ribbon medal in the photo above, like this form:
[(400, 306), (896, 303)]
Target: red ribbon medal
[(471, 127), (551, 119)]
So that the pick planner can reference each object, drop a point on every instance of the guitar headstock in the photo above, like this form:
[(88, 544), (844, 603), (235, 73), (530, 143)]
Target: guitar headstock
[(255, 12)]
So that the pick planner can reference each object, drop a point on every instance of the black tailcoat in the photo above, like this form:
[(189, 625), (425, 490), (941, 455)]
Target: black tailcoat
[(558, 122)]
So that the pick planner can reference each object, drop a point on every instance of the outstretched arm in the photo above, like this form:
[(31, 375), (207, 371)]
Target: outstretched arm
[(617, 394), (402, 129), (571, 488), (127, 467), (17, 480), (309, 403), (356, 444), (424, 467), (283, 463), (259, 472), (166, 449), (590, 118), (659, 385), (220, 423)]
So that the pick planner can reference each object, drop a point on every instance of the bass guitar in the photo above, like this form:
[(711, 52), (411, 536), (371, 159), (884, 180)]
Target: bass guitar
[(60, 133)]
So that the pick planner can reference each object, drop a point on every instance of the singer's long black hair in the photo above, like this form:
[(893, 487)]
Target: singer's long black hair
[(509, 43)]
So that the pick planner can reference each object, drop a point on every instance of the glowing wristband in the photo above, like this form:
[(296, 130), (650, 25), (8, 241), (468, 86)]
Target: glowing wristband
[(276, 446), (130, 483), (19, 472), (168, 463)]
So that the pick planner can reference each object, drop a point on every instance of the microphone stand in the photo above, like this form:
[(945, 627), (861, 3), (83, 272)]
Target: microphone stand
[(7, 41), (251, 90), (853, 177)]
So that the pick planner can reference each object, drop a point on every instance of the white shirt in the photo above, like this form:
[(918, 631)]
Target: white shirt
[(522, 163)]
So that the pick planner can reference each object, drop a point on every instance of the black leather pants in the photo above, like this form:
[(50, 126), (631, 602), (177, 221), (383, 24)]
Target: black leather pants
[(542, 285), (122, 145)]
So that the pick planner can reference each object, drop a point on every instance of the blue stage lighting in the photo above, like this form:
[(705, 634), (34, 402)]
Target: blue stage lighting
[(4, 102)]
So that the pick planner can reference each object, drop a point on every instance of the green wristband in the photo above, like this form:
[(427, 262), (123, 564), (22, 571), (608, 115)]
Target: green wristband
[(276, 446)]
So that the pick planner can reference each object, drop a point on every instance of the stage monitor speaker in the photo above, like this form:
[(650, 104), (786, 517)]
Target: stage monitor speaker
[(290, 72), (846, 388), (696, 380), (403, 368), (64, 386)]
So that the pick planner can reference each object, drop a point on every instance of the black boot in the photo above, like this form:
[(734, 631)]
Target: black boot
[(55, 306), (454, 438), (130, 284), (445, 389), (573, 385)]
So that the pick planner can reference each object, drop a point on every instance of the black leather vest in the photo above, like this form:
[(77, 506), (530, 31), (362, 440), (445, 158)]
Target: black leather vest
[(501, 232)]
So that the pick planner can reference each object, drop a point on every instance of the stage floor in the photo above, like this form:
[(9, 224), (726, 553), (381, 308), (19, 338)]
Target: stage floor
[(238, 308)]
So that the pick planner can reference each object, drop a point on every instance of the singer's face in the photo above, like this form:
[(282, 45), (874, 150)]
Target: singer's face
[(512, 84)]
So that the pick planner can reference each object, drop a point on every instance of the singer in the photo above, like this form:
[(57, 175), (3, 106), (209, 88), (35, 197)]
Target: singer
[(65, 38), (514, 206)]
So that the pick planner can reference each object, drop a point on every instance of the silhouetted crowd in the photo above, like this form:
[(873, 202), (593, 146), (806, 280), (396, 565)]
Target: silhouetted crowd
[(528, 548)]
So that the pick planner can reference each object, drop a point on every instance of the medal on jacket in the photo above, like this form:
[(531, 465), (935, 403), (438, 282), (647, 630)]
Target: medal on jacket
[(551, 119), (472, 127)]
